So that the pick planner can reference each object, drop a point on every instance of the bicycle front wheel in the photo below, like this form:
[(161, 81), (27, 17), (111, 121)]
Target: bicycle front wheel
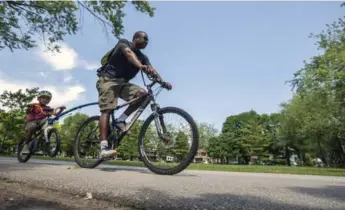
[(52, 152), (173, 140)]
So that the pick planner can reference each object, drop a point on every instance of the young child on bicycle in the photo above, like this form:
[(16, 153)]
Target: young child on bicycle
[(36, 117)]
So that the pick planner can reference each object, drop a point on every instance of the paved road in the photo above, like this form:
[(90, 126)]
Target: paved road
[(139, 188)]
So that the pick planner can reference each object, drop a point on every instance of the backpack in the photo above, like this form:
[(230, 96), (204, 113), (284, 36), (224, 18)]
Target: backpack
[(105, 59)]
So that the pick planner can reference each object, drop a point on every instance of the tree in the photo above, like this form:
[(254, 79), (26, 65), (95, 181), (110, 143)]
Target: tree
[(181, 146), (128, 148), (215, 148), (22, 21), (12, 121), (313, 122), (206, 132), (69, 129)]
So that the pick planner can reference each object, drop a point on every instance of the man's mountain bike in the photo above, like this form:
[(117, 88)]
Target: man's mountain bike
[(167, 137)]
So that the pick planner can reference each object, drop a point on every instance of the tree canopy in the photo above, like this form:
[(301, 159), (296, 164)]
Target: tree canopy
[(23, 23)]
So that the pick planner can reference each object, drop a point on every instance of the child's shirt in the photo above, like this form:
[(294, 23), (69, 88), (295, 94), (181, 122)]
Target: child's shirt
[(38, 112)]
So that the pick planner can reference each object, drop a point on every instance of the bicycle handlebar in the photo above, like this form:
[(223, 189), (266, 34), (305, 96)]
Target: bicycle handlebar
[(155, 78)]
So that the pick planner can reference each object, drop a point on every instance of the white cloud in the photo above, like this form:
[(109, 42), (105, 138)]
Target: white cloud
[(67, 78), (66, 59), (61, 95), (43, 74), (89, 66)]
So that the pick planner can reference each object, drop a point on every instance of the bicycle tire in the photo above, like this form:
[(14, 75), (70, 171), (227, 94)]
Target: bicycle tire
[(19, 150), (57, 147), (194, 148), (76, 143)]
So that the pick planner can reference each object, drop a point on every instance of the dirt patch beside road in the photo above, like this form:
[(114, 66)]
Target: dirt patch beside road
[(18, 196)]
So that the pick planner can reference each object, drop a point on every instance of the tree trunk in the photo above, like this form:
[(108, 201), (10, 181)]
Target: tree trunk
[(287, 156)]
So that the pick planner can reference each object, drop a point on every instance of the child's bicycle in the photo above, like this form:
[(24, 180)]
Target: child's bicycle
[(115, 136), (40, 140)]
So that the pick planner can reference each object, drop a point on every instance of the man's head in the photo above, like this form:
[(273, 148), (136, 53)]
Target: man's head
[(44, 97), (140, 39)]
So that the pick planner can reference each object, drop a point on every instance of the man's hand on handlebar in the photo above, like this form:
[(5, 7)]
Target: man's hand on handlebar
[(150, 71), (167, 85)]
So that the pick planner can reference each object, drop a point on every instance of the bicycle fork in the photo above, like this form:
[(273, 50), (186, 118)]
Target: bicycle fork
[(159, 120)]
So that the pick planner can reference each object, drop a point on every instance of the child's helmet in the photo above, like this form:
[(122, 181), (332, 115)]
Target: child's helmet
[(45, 93)]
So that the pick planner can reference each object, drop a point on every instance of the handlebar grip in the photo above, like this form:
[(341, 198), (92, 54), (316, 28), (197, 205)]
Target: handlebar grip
[(166, 85)]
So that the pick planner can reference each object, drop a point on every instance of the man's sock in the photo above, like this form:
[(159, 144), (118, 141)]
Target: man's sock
[(104, 144), (122, 117)]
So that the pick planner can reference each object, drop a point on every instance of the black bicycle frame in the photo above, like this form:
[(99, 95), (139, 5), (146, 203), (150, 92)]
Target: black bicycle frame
[(140, 110)]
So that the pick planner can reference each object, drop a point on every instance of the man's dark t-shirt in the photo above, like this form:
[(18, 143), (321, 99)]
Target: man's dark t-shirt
[(119, 66)]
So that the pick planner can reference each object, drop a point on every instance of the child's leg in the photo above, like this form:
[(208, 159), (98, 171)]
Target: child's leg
[(30, 128), (43, 124)]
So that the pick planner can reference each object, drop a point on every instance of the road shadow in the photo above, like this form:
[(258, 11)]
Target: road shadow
[(115, 169), (7, 167), (156, 200), (33, 165), (329, 192), (32, 204), (140, 170)]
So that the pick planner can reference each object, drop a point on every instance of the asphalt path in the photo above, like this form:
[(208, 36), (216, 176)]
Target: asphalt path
[(139, 188)]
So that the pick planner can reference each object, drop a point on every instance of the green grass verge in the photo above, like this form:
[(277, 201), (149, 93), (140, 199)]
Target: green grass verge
[(232, 168)]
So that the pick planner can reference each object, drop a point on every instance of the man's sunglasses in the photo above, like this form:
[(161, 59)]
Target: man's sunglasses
[(145, 38)]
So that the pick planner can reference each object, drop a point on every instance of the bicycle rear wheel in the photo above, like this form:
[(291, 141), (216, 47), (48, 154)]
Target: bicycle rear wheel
[(193, 141), (92, 139)]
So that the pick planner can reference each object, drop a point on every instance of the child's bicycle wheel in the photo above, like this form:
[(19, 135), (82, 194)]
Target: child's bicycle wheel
[(32, 147)]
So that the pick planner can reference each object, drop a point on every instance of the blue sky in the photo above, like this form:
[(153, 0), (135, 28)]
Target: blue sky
[(222, 58)]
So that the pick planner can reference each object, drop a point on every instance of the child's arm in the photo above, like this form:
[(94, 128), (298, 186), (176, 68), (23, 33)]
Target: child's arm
[(60, 108), (30, 107)]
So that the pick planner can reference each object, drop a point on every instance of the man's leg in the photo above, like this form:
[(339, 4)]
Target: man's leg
[(129, 92), (107, 99)]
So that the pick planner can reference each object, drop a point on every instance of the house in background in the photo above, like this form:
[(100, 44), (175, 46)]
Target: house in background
[(202, 157)]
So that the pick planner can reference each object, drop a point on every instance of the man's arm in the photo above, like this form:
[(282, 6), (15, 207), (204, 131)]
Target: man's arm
[(148, 63), (146, 60), (126, 50)]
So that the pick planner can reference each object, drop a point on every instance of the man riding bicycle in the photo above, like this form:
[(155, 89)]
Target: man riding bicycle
[(119, 66)]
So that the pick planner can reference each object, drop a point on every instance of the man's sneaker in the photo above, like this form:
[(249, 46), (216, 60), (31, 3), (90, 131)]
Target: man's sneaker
[(107, 153), (25, 149)]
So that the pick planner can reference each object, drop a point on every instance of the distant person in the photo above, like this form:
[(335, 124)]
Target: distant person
[(119, 66), (36, 117)]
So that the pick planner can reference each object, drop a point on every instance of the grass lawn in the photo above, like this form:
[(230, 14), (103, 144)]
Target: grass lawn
[(232, 168)]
